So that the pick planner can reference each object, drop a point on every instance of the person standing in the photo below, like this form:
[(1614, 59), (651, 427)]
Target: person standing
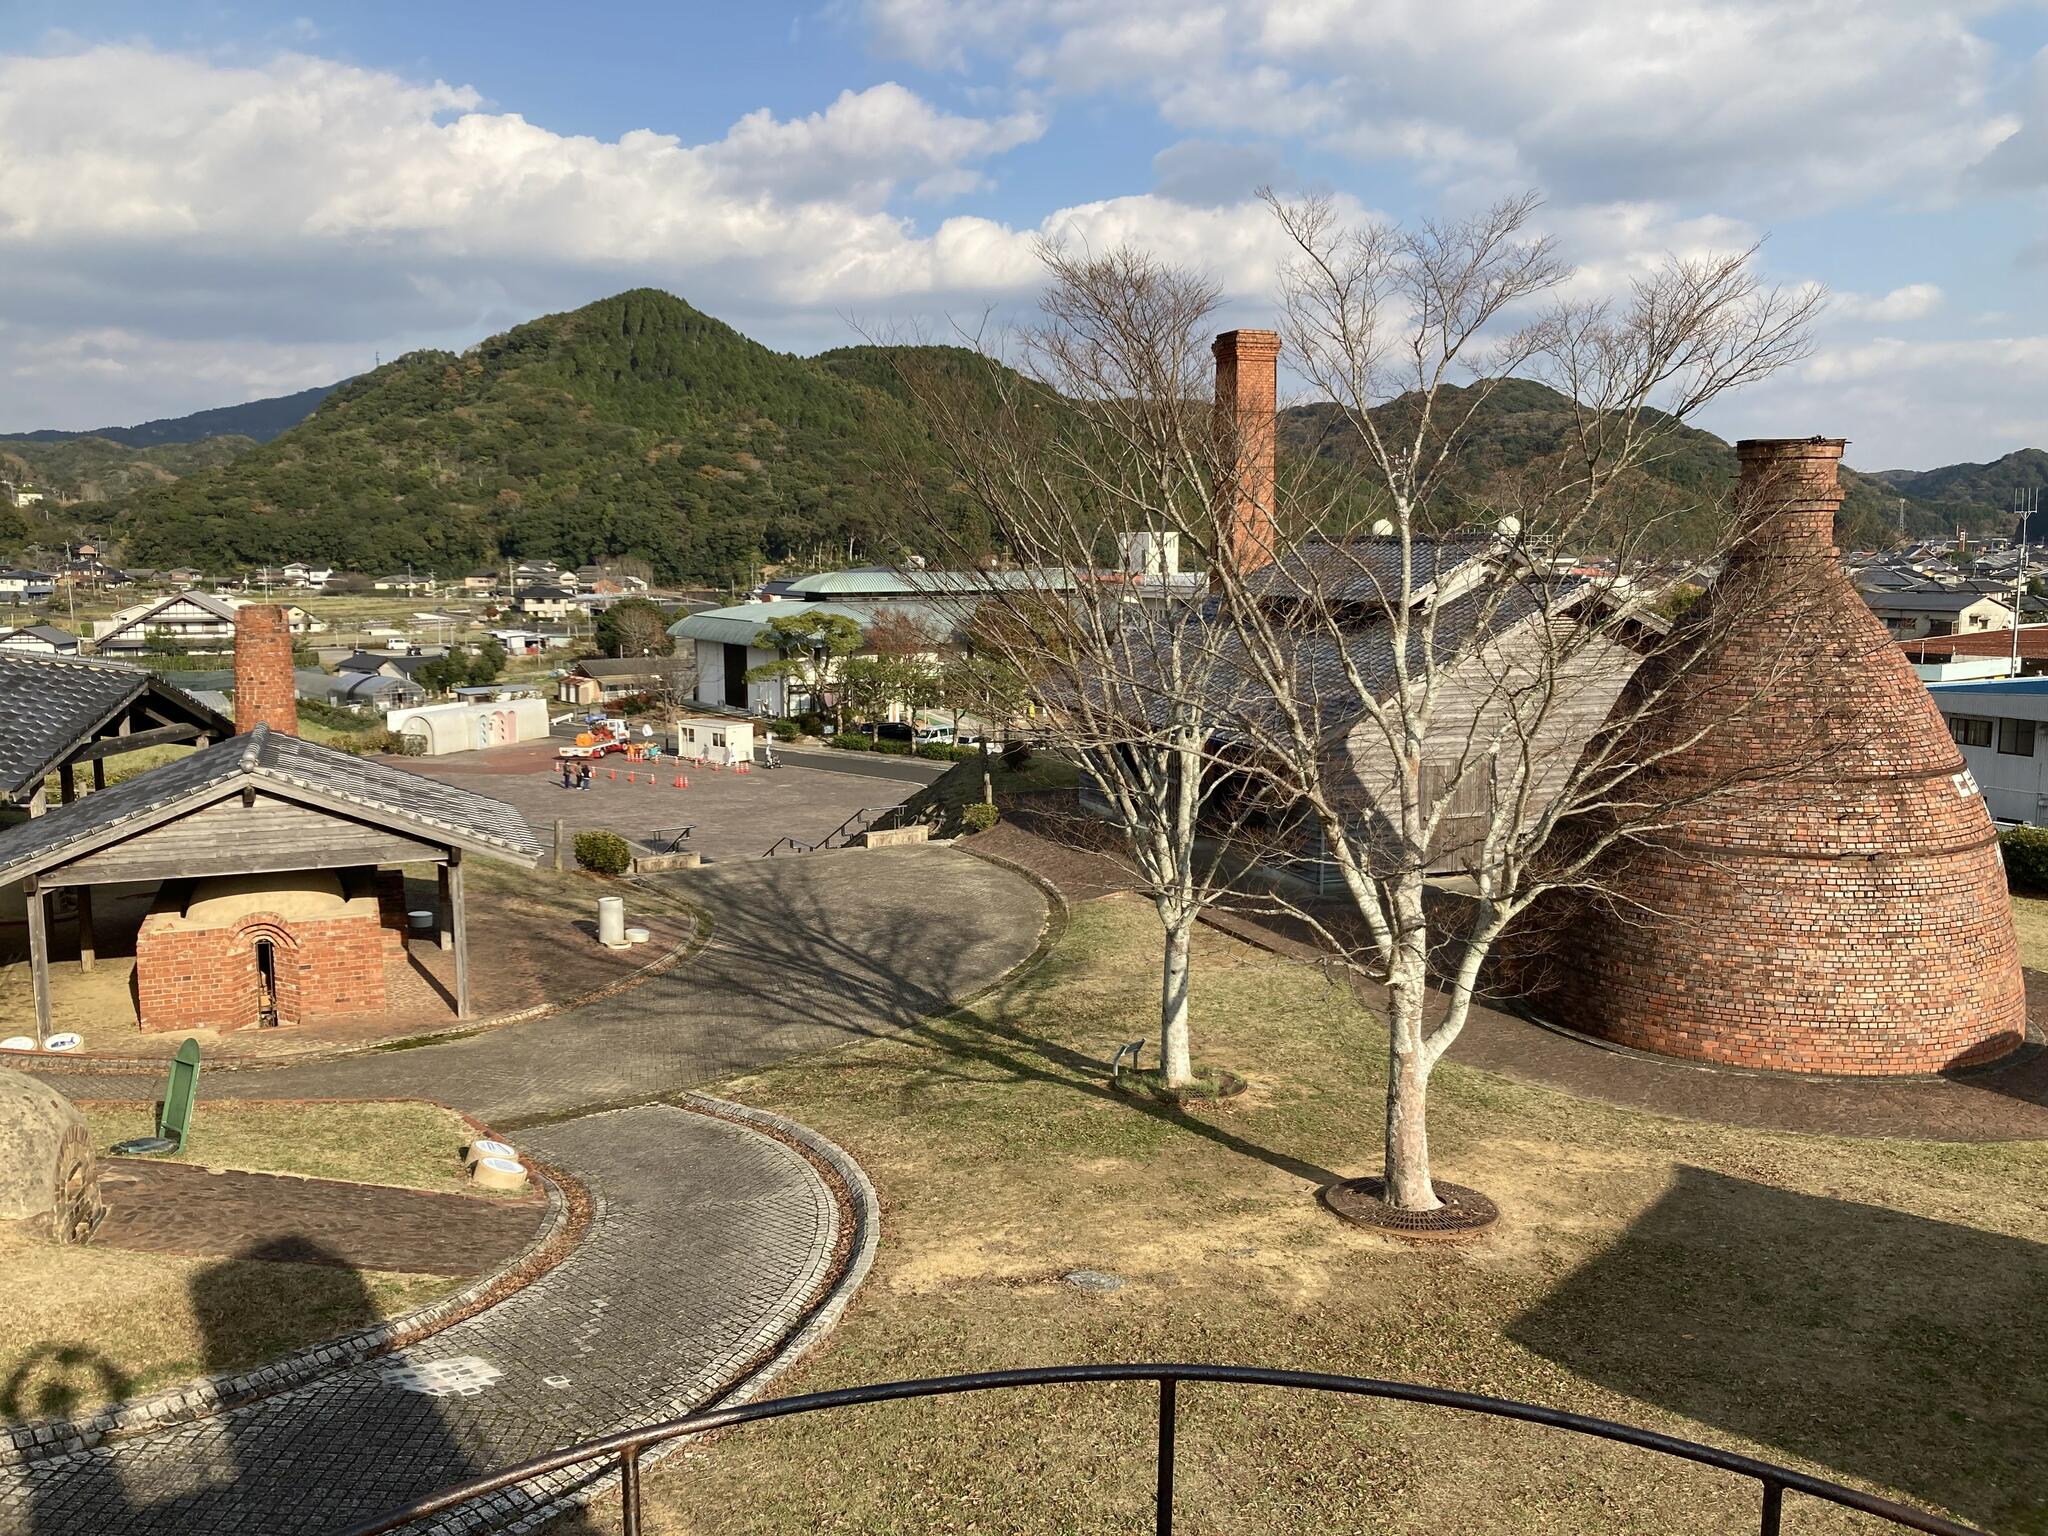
[(583, 775), (568, 774)]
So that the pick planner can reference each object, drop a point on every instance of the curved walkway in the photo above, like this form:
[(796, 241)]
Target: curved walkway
[(681, 1285), (711, 1240), (805, 953)]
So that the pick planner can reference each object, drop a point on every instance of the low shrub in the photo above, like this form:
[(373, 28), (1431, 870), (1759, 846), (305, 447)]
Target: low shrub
[(2026, 857), (784, 730), (851, 741), (945, 751), (811, 723), (979, 817), (605, 853), (893, 748), (1016, 754)]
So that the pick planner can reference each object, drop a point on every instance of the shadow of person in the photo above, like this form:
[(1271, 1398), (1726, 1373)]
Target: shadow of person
[(321, 1456), (1879, 1346), (62, 1381)]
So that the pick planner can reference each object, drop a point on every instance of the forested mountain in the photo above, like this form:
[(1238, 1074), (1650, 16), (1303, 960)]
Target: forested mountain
[(634, 426), (93, 469), (1523, 421), (1976, 494), (638, 426), (260, 420)]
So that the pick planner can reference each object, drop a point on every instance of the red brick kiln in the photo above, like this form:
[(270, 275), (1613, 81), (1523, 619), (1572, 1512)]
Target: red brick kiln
[(1845, 909)]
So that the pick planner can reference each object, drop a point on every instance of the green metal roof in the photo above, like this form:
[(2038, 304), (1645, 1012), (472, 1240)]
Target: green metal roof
[(739, 624), (881, 581)]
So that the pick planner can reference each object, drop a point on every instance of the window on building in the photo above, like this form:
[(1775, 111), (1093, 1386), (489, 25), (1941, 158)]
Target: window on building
[(2016, 737), (1970, 730)]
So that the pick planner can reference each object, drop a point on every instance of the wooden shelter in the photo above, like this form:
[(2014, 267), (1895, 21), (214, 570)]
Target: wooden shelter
[(61, 713), (259, 804)]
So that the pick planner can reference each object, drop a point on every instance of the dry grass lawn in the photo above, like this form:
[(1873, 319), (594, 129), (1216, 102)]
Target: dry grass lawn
[(84, 1326), (2030, 917), (1869, 1311)]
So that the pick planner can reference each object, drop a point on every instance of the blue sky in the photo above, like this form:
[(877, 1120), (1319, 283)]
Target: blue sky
[(203, 203)]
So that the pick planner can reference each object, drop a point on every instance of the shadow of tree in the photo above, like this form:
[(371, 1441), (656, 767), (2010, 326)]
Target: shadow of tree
[(1808, 1324)]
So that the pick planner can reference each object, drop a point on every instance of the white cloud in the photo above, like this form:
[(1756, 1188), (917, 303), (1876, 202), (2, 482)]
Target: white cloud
[(297, 211), (1766, 103), (1915, 301)]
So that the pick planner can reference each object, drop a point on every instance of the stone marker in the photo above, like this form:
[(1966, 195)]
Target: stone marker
[(49, 1180)]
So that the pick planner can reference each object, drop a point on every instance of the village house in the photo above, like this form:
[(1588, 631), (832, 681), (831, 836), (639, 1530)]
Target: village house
[(40, 640), (191, 623), (1908, 614)]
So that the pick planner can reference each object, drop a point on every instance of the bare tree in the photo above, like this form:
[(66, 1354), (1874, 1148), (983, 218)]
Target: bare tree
[(1105, 433), (1493, 701)]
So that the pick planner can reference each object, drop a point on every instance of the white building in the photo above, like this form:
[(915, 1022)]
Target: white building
[(2002, 728), (435, 730), (1911, 614)]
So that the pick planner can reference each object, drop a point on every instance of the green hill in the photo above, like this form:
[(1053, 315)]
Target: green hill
[(93, 469), (257, 420), (635, 426), (1523, 422), (1978, 495)]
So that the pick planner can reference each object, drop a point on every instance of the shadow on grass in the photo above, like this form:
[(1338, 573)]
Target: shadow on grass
[(1881, 1347)]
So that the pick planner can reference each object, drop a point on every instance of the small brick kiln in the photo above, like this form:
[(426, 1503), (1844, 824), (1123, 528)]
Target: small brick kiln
[(1843, 912)]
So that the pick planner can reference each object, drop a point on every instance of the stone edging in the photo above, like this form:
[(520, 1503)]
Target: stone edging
[(566, 1219), (771, 1353), (86, 1062)]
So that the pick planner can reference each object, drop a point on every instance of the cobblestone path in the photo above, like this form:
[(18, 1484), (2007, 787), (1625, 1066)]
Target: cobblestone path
[(710, 1240)]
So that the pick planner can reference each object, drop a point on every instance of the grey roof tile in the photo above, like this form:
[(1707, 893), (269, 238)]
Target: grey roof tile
[(391, 796)]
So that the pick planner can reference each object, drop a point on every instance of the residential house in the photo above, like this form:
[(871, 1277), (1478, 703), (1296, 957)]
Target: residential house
[(357, 690), (405, 582), (549, 602), (194, 623), (598, 681), (1913, 613), (398, 664), (480, 581), (40, 640), (24, 586)]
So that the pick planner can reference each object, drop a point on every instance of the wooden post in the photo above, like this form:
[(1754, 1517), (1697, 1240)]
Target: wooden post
[(454, 867), (87, 948), (39, 798), (446, 917), (38, 956), (67, 783), (99, 773), (561, 841)]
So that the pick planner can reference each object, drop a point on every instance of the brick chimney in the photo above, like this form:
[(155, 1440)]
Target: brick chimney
[(1247, 390), (264, 687), (1787, 494)]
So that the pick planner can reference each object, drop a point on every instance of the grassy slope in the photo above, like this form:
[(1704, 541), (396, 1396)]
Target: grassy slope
[(83, 1326), (1858, 1308), (960, 786)]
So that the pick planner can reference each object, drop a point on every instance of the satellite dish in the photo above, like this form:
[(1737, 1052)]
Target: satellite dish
[(1383, 529)]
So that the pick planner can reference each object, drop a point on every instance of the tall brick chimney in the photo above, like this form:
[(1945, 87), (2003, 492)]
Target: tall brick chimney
[(264, 687), (1247, 395), (1837, 904)]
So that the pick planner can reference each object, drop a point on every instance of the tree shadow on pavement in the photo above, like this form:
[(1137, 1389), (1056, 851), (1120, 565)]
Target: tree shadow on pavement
[(1805, 1324)]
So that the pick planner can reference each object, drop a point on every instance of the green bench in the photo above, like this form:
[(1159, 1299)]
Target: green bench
[(174, 1115)]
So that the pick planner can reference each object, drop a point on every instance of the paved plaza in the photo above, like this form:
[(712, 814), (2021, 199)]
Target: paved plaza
[(736, 815)]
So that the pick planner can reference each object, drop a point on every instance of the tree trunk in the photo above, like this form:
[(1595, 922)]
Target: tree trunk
[(988, 788), (1408, 1182), (1175, 1070)]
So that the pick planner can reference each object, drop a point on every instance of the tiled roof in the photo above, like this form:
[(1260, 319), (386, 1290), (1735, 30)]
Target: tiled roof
[(393, 797), (1367, 570), (50, 704)]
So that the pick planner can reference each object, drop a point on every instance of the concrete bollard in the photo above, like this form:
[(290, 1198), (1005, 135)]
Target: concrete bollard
[(611, 921)]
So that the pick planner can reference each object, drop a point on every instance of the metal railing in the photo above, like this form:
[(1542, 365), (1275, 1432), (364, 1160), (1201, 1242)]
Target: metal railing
[(627, 1446), (884, 819)]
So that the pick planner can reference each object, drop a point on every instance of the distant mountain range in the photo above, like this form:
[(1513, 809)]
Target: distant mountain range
[(258, 420), (638, 426)]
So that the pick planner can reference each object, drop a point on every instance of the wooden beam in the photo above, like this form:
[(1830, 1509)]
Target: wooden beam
[(87, 946), (455, 897), (39, 798), (67, 783), (99, 773), (38, 956), (443, 906), (135, 741)]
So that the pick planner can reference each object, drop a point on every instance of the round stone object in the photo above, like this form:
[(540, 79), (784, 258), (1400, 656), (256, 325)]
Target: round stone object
[(49, 1180), (500, 1173)]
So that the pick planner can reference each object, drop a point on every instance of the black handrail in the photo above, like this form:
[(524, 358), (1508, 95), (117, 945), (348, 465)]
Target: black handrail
[(627, 1445)]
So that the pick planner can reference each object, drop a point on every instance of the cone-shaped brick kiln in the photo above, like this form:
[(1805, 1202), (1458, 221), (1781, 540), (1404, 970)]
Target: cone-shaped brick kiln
[(1839, 904)]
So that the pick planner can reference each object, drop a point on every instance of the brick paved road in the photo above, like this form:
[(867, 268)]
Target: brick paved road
[(806, 953), (682, 1280)]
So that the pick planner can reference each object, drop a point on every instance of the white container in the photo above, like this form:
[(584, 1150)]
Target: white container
[(422, 922), (637, 935), (17, 1043), (611, 921), (482, 1148), (500, 1173), (64, 1042)]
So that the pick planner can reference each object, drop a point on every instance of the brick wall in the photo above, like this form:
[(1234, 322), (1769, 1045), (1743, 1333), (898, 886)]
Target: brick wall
[(1846, 910), (189, 978), (1247, 395)]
